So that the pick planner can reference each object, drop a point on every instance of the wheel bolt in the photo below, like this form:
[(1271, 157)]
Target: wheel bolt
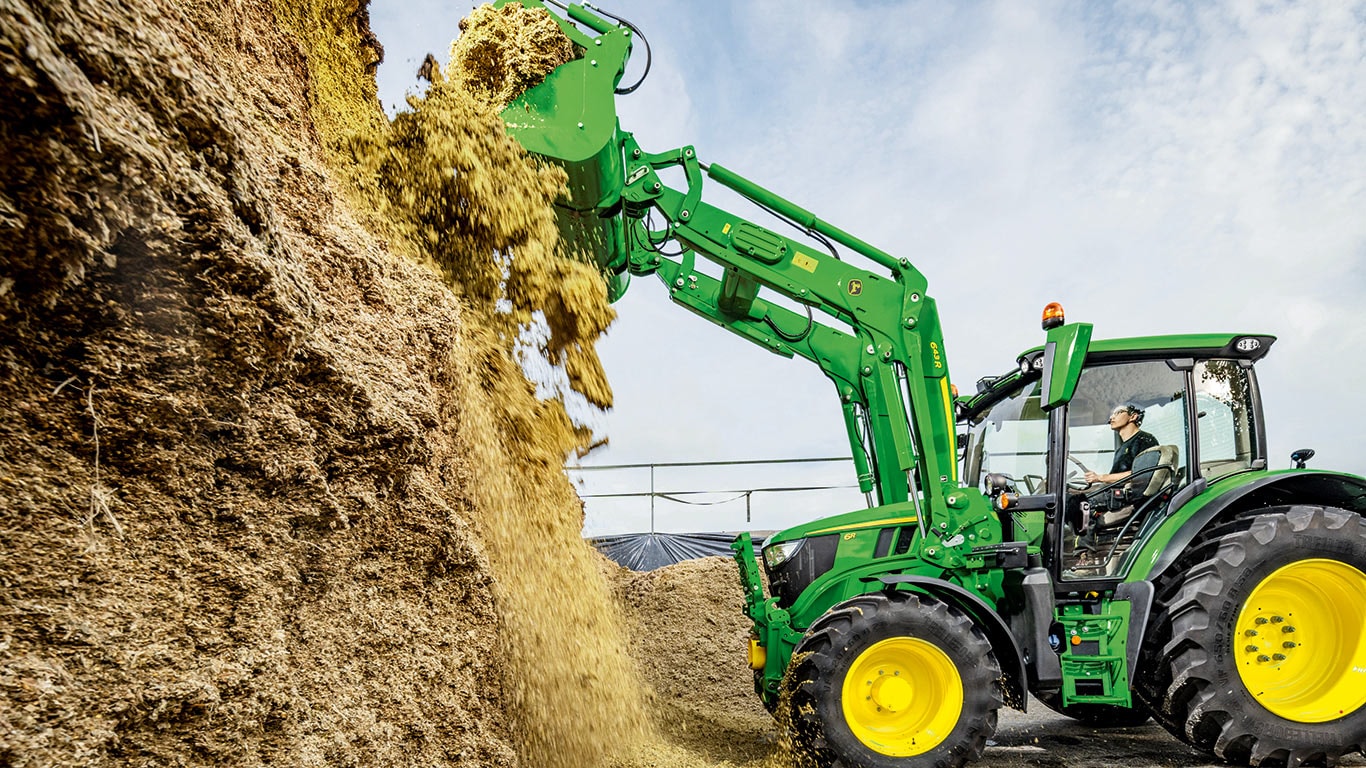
[(1276, 619), (1287, 629), (1261, 619), (1288, 644), (1251, 633), (1252, 649), (1263, 658), (1278, 656)]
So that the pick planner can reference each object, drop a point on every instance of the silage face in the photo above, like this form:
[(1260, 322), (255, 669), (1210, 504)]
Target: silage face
[(451, 188)]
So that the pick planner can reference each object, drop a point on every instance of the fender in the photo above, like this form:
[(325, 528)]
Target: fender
[(1295, 486), (1002, 641)]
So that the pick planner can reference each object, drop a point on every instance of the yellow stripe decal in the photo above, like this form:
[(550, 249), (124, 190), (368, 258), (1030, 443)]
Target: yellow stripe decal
[(953, 430), (860, 526)]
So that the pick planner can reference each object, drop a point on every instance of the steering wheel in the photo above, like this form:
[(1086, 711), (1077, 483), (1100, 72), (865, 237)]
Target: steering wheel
[(1074, 481)]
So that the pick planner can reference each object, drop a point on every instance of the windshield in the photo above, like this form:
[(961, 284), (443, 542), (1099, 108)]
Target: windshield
[(1010, 439)]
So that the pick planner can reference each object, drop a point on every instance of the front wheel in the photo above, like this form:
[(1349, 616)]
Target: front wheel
[(1265, 653), (894, 680)]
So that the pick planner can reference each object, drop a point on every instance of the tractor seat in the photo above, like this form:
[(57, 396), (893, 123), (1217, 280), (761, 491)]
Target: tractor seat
[(1152, 471), (1101, 547)]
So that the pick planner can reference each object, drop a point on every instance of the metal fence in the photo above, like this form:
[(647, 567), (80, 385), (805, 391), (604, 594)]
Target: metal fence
[(822, 482)]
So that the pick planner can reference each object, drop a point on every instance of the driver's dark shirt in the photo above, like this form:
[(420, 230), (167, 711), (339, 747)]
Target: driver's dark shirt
[(1124, 457)]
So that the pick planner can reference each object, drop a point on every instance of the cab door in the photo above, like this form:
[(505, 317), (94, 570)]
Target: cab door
[(1124, 450)]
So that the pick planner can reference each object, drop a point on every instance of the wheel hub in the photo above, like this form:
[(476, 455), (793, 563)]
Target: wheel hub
[(1298, 641), (891, 693), (902, 696), (1271, 639)]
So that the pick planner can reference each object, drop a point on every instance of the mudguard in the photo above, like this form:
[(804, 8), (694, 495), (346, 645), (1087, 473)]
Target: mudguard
[(1203, 504)]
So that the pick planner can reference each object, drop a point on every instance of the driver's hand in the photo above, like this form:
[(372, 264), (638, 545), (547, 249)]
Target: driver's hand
[(1092, 478)]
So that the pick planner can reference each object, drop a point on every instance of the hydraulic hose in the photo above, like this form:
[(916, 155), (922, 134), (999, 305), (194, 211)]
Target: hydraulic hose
[(636, 31)]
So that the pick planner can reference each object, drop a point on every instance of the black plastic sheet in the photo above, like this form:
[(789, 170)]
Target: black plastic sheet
[(648, 551)]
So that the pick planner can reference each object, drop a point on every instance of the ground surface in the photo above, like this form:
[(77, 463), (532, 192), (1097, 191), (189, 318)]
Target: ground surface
[(1045, 739)]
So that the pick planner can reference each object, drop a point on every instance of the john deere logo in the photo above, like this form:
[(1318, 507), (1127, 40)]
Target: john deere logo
[(855, 287)]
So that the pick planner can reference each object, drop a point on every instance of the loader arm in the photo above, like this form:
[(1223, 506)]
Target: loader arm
[(875, 336), (874, 333)]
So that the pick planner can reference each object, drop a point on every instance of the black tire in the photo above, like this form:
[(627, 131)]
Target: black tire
[(836, 650), (1280, 559), (1098, 715)]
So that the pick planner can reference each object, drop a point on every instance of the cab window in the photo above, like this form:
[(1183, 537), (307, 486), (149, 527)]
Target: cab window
[(1223, 398), (1152, 387), (1011, 439)]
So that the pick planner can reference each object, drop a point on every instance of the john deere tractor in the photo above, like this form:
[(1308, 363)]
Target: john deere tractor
[(1015, 541)]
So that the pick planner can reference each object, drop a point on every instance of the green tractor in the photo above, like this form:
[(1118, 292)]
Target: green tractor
[(1097, 526)]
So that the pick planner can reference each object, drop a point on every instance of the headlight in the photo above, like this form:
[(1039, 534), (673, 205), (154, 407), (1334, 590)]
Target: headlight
[(777, 554)]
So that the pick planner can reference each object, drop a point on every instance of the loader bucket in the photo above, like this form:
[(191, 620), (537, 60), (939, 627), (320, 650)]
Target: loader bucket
[(570, 119)]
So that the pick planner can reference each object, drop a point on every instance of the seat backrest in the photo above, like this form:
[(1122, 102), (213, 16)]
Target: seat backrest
[(1161, 456)]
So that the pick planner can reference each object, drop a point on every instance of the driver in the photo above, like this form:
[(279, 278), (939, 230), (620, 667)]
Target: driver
[(1125, 420)]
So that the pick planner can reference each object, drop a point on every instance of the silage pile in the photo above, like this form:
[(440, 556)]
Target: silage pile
[(686, 625), (274, 487), (233, 521)]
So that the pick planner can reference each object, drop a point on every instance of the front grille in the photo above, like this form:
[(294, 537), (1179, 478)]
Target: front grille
[(788, 580)]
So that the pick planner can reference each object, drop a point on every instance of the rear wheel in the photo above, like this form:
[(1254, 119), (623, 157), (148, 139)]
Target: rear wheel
[(894, 680), (1264, 655)]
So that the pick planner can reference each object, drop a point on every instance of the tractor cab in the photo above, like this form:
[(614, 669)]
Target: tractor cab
[(1149, 423)]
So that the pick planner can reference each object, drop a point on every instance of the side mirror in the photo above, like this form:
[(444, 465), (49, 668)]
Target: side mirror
[(1301, 456), (998, 483)]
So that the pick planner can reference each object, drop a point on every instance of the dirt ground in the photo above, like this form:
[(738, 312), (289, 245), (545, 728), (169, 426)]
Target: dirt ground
[(1048, 740)]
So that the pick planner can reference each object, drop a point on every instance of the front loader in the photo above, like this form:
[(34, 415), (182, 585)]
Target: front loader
[(1196, 586)]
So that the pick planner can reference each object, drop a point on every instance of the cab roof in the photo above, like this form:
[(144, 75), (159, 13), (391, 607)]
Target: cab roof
[(1235, 346), (1197, 346)]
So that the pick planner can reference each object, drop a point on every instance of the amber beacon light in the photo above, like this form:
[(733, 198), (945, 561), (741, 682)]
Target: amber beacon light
[(1052, 316)]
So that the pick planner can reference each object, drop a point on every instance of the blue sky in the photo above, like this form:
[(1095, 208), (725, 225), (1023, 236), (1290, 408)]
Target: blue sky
[(1157, 167)]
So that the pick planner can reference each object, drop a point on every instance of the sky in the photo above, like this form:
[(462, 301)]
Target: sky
[(1157, 167)]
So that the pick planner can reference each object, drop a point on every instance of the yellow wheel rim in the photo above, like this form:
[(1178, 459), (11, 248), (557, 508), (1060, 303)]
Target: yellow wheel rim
[(1299, 641), (902, 697)]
